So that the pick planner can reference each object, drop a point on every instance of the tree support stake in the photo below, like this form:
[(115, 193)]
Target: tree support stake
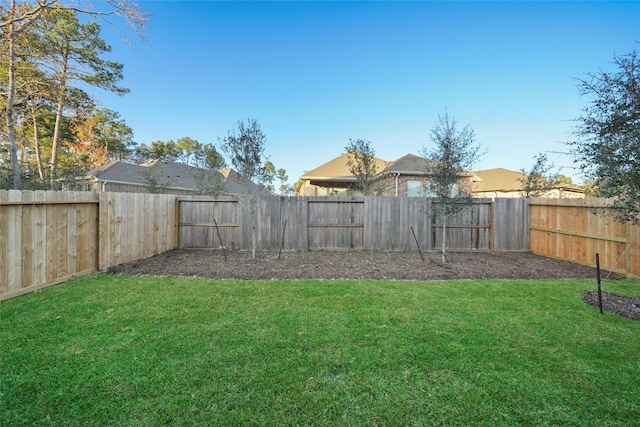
[(220, 238)]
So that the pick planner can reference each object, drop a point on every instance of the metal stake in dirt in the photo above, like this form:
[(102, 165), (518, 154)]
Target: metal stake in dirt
[(220, 238), (418, 244), (599, 283), (282, 241)]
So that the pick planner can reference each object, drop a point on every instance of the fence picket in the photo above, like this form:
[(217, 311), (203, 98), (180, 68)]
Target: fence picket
[(28, 236), (14, 240), (4, 243)]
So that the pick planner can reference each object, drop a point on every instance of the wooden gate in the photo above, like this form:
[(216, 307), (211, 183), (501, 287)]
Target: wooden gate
[(335, 224)]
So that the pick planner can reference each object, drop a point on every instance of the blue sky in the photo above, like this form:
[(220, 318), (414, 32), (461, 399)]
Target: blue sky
[(315, 74)]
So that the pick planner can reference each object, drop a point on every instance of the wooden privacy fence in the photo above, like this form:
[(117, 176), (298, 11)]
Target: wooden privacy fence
[(47, 237), (370, 223), (576, 229)]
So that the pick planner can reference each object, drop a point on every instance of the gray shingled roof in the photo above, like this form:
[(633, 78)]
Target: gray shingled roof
[(234, 184), (116, 171), (171, 174), (409, 164)]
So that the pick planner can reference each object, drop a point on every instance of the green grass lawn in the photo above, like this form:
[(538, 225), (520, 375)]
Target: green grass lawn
[(116, 350)]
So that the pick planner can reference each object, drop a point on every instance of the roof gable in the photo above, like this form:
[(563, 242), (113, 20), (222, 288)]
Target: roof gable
[(338, 169), (409, 164), (235, 184)]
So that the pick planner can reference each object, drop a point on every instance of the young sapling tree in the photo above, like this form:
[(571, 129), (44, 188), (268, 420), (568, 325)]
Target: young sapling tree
[(454, 153), (245, 148)]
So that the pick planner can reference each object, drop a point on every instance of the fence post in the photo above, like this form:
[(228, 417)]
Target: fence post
[(176, 224), (492, 227), (599, 282), (102, 226), (627, 248)]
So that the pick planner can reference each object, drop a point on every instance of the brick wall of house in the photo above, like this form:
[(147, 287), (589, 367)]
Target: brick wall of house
[(387, 185), (383, 187)]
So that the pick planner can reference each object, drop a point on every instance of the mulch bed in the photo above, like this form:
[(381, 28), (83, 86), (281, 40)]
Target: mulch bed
[(329, 265), (354, 265), (618, 304)]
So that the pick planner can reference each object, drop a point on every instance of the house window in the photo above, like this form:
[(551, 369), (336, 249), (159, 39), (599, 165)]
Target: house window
[(454, 190), (414, 188), (417, 188), (324, 191), (430, 189)]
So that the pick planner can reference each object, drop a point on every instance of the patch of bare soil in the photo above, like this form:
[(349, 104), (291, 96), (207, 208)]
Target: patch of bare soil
[(618, 304), (354, 265)]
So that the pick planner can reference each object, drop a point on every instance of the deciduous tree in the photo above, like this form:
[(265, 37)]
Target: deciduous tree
[(607, 136), (539, 180), (455, 154), (362, 164), (210, 182), (245, 148)]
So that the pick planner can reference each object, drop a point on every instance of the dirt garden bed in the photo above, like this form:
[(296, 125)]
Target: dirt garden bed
[(371, 265), (354, 265)]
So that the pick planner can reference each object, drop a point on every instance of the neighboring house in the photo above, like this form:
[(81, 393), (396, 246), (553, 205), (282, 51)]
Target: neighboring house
[(407, 176), (500, 182), (160, 176), (331, 179)]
